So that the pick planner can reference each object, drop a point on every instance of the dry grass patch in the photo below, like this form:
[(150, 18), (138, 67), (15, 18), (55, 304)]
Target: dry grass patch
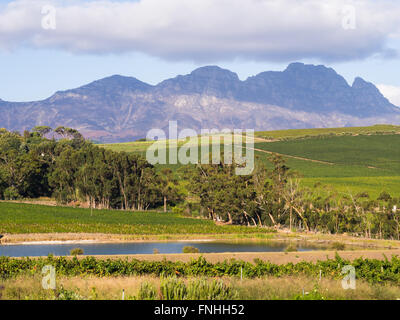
[(266, 288)]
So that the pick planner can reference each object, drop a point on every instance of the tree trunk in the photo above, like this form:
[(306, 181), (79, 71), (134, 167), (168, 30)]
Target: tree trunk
[(165, 204), (301, 216), (230, 218), (272, 219)]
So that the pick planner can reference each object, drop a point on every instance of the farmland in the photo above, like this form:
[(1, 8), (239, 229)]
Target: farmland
[(347, 159), (307, 133), (25, 218)]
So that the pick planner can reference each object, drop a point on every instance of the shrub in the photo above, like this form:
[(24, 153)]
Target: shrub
[(371, 270), (190, 249), (362, 195), (338, 246), (291, 248), (76, 252), (11, 193), (385, 196), (313, 295), (63, 294)]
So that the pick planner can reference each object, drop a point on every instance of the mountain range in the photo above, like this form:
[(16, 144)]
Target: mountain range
[(118, 108)]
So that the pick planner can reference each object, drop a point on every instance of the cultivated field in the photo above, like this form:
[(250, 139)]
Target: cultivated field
[(16, 218), (305, 133), (351, 160)]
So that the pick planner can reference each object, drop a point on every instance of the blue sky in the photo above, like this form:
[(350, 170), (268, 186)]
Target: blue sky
[(154, 43)]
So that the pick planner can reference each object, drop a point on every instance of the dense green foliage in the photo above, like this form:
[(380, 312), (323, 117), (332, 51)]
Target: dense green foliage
[(74, 170), (76, 252), (371, 270), (190, 249), (275, 198)]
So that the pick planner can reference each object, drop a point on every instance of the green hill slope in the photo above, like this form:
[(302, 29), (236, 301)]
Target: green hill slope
[(349, 159)]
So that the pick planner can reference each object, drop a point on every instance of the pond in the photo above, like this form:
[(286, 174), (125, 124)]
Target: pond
[(144, 248)]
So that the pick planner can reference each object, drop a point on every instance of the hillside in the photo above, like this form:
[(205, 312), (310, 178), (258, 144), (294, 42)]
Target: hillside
[(117, 108), (350, 159)]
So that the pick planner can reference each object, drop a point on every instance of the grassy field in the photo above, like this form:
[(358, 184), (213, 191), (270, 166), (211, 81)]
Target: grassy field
[(90, 278), (266, 288), (305, 133), (25, 218), (351, 163), (377, 155)]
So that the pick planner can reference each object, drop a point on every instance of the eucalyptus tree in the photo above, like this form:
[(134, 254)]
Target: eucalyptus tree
[(168, 186), (42, 131)]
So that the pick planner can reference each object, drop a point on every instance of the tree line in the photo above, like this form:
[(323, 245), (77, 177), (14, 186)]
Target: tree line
[(275, 198), (73, 170)]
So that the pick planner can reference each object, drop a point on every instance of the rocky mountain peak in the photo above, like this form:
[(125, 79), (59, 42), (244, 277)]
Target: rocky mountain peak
[(214, 73), (209, 80), (116, 82), (366, 93)]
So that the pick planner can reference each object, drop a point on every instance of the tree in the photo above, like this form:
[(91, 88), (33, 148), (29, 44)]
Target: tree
[(279, 176), (225, 196), (263, 199), (69, 133), (168, 186), (294, 198), (61, 131), (42, 130)]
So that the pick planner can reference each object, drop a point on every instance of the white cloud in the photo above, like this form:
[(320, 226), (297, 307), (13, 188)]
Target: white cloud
[(207, 30), (390, 92)]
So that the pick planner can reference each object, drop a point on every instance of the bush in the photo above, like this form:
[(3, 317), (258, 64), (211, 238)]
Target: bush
[(11, 193), (338, 246), (362, 195), (178, 210), (371, 270), (63, 294), (291, 248), (76, 252), (190, 249), (313, 295), (385, 196)]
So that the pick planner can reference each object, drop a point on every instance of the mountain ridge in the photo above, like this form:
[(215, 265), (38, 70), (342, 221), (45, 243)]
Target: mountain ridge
[(120, 108)]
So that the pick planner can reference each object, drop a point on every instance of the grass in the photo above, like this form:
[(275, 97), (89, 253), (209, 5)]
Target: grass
[(18, 218), (305, 133), (352, 164), (377, 154), (372, 185), (265, 288)]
